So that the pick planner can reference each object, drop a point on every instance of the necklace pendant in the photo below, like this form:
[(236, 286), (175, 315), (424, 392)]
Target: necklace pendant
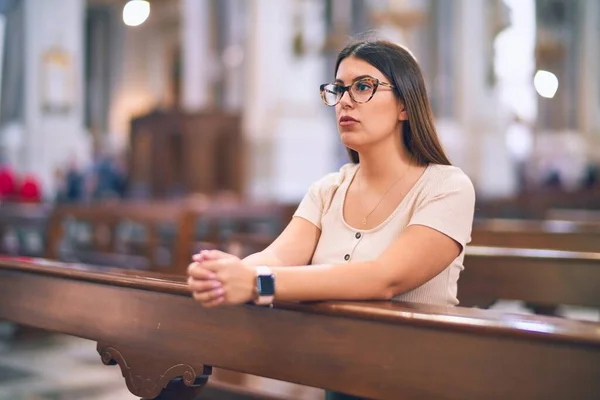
[(364, 221)]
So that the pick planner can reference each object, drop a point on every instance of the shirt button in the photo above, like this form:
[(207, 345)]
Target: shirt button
[(358, 235), (347, 257)]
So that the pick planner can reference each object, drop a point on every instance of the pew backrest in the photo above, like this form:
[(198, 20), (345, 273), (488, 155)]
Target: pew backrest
[(138, 235), (552, 234), (532, 275), (23, 228)]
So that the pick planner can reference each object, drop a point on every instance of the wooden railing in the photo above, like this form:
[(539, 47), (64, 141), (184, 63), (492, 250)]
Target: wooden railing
[(165, 343)]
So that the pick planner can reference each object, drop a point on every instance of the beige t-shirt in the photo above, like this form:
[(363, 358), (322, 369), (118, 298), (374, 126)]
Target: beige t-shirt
[(443, 198)]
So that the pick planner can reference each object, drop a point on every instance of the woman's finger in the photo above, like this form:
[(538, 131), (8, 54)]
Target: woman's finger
[(203, 285), (214, 303), (205, 297), (217, 254), (201, 256), (198, 272)]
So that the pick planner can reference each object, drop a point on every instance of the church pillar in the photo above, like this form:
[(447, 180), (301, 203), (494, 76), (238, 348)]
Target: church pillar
[(54, 102), (290, 133), (197, 67), (483, 153), (587, 77)]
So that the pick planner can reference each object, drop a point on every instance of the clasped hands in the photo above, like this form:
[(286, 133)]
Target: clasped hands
[(217, 278)]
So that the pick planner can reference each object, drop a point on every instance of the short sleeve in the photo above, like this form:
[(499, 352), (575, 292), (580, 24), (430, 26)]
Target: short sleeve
[(318, 198), (448, 207)]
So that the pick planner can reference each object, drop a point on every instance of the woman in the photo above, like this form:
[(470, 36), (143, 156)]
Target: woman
[(392, 224)]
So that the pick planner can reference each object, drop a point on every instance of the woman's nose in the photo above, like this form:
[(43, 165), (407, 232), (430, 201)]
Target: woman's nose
[(346, 100)]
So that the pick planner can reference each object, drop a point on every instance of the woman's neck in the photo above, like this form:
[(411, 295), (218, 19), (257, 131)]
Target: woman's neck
[(383, 164)]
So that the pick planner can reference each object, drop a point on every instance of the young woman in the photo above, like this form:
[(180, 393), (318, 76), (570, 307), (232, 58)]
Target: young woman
[(392, 224)]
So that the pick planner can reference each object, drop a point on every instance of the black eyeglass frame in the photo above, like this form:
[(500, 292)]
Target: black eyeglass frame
[(343, 89)]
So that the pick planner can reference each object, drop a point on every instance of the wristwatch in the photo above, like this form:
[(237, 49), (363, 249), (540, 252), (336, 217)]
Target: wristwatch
[(265, 286)]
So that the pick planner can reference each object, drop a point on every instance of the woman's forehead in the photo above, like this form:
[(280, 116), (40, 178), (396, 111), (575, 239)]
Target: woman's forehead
[(351, 67)]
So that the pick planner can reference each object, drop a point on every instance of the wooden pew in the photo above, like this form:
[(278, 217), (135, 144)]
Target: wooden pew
[(535, 276), (374, 349), (222, 224), (23, 228), (148, 248), (536, 203), (542, 279), (192, 226), (551, 234), (577, 215), (185, 226)]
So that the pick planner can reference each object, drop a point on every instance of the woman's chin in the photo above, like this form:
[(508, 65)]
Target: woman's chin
[(349, 138)]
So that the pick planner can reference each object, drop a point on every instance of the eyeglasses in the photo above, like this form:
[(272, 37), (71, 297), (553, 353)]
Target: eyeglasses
[(361, 90)]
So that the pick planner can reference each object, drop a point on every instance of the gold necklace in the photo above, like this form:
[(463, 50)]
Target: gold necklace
[(364, 220)]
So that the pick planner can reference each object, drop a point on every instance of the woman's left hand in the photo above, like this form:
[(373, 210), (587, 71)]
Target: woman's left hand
[(217, 278)]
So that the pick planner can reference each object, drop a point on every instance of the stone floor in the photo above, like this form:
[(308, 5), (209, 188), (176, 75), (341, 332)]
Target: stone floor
[(58, 367), (66, 368)]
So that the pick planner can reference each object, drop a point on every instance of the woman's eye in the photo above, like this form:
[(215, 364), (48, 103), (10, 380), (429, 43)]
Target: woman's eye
[(363, 86)]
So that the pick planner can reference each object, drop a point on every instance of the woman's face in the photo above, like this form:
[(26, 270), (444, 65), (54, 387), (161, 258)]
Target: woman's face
[(363, 124)]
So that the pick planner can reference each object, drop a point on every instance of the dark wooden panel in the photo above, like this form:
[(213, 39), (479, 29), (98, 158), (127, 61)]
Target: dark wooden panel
[(175, 153), (537, 276), (554, 235), (23, 228), (578, 215), (138, 253)]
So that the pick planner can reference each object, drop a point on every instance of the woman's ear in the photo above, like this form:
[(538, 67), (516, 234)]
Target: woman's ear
[(402, 116)]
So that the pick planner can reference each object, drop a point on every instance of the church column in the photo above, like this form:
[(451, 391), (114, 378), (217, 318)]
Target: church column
[(197, 66), (54, 101), (290, 134), (588, 80), (232, 54), (483, 154)]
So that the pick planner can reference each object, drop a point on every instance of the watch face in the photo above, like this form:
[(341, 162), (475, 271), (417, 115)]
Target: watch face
[(266, 285)]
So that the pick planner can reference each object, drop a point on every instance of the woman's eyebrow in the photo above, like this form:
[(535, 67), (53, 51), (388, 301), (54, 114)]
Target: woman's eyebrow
[(353, 80)]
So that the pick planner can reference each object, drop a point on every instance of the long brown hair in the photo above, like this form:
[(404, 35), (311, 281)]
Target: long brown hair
[(401, 68)]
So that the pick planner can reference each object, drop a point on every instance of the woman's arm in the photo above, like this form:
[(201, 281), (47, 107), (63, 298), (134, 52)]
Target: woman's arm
[(416, 257), (294, 246)]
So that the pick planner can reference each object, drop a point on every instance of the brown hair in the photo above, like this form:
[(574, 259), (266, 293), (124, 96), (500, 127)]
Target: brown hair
[(401, 68)]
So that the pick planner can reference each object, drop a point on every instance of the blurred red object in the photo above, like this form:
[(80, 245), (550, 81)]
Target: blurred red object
[(30, 191), (7, 183)]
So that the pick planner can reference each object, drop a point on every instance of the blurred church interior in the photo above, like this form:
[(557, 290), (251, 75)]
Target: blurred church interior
[(121, 120)]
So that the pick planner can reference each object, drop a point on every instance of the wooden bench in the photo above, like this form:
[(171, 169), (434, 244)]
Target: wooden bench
[(535, 276), (166, 343), (161, 236), (23, 229), (140, 235), (577, 215), (157, 236), (549, 234), (542, 279), (536, 203)]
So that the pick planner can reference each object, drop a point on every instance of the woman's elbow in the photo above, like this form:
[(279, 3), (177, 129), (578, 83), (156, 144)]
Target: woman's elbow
[(390, 284), (387, 294)]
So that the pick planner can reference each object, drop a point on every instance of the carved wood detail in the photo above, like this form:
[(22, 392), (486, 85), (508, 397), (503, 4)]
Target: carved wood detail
[(146, 376)]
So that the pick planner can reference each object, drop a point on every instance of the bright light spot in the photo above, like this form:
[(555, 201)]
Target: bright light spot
[(546, 83), (136, 12)]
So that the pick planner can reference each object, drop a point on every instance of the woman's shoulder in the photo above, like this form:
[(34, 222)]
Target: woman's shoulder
[(448, 178), (335, 179)]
